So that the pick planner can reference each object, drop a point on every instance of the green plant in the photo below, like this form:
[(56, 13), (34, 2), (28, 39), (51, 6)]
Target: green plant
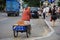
[(33, 3), (58, 3), (2, 4)]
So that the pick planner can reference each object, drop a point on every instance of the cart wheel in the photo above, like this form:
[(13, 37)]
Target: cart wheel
[(27, 34), (15, 33), (29, 29)]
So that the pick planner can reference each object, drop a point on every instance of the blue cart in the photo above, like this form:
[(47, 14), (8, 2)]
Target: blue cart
[(18, 28)]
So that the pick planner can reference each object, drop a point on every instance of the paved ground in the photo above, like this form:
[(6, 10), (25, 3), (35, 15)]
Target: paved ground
[(6, 32), (56, 34), (39, 28)]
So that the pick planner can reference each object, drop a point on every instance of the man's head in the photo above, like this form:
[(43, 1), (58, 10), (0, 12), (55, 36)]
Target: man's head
[(26, 6)]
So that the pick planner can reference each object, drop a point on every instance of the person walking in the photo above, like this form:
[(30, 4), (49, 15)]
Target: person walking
[(53, 16), (47, 11), (44, 12)]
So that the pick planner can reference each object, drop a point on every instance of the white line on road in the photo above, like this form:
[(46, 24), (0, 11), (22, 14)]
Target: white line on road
[(3, 19), (49, 25), (49, 34)]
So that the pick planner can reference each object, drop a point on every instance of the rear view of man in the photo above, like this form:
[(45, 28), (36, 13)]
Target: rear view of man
[(26, 14), (26, 17)]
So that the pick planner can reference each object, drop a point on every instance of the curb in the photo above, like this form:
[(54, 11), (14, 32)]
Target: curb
[(49, 34), (52, 30)]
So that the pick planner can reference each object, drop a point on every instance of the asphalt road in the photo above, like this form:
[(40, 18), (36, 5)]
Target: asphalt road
[(39, 28)]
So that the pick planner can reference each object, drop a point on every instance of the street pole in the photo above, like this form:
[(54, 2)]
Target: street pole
[(40, 3), (21, 4)]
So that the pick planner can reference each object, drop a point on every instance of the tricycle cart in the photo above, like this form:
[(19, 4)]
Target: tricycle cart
[(21, 28)]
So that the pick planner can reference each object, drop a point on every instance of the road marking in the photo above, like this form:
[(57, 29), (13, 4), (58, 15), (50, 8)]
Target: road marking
[(3, 19), (49, 25), (45, 32), (49, 34)]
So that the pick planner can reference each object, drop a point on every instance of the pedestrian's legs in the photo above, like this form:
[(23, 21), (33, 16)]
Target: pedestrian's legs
[(44, 15), (29, 29), (47, 14), (53, 23)]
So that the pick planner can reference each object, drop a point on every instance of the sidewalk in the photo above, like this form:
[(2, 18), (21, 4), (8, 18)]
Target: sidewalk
[(56, 34), (57, 25)]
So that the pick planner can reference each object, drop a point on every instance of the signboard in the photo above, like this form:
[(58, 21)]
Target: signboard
[(11, 0), (51, 1)]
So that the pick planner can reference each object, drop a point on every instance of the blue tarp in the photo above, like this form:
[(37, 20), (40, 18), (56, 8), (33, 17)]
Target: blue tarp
[(51, 1), (12, 5), (11, 0), (20, 28), (8, 5), (15, 6)]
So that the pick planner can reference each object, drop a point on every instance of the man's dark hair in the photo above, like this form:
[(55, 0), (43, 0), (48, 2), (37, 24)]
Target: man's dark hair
[(54, 6)]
